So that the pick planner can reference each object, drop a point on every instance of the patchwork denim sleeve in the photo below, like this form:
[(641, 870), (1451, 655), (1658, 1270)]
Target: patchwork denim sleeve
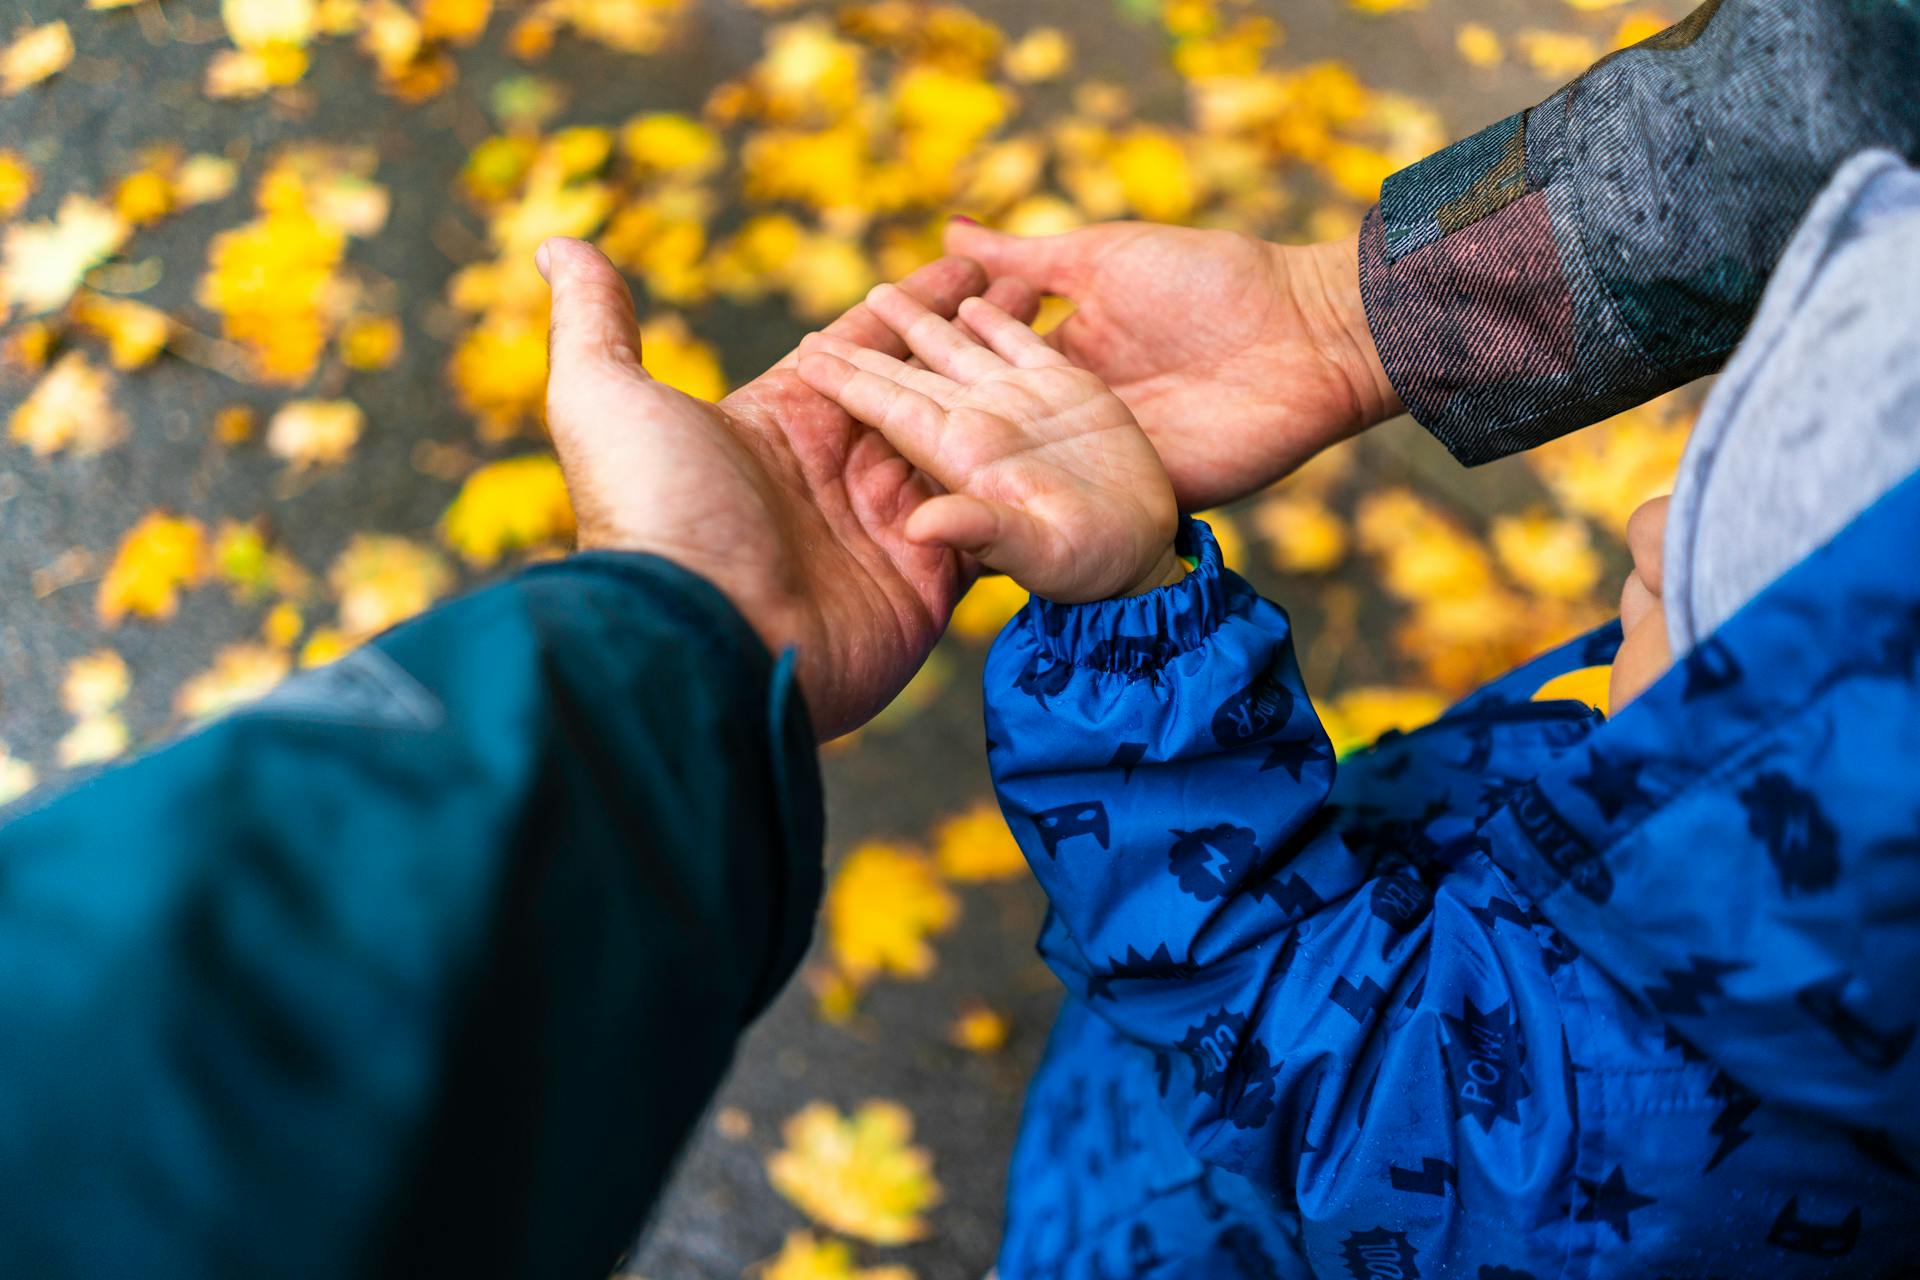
[(1612, 242), (1318, 1008), (459, 929)]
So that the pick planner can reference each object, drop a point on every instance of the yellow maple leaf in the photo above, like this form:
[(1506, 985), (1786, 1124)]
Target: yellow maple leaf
[(976, 845), (804, 1257), (1357, 717), (987, 607), (859, 1174), (455, 21), (980, 1029), (323, 646), (45, 261), (507, 506), (252, 567), (1044, 53), (1548, 556), (808, 72), (1303, 535), (240, 674), (883, 904), (259, 24), (94, 740), (1557, 55), (203, 179), (1606, 471), (95, 682), (310, 433), (157, 558), (271, 282), (499, 371), (282, 625), (1479, 45), (1226, 532), (626, 26), (17, 777), (666, 142), (35, 54), (370, 342), (71, 408), (135, 332), (383, 579), (17, 182), (672, 353), (1154, 174), (1638, 26), (1424, 555)]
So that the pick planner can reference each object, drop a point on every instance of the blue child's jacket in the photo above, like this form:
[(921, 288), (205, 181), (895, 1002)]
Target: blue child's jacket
[(1525, 993)]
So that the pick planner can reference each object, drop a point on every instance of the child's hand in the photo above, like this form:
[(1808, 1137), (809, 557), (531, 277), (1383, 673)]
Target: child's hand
[(1049, 478)]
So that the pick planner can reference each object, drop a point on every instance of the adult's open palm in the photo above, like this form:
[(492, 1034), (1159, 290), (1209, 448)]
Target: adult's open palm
[(1241, 359), (775, 495)]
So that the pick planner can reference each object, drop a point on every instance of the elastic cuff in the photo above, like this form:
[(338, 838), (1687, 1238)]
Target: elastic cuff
[(1139, 634)]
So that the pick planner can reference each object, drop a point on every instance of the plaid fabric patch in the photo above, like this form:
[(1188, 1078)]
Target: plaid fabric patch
[(1455, 187), (1611, 243)]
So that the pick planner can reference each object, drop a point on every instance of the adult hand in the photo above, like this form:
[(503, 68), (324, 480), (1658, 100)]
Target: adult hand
[(1242, 359), (787, 505)]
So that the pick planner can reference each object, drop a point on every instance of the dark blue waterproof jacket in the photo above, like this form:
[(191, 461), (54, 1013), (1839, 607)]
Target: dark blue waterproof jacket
[(422, 966), (1527, 993)]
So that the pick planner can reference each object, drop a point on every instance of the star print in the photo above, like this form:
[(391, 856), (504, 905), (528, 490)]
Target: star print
[(1291, 756), (1611, 1201), (1613, 784)]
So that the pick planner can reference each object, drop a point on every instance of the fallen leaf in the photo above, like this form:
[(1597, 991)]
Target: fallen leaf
[(95, 740), (45, 261), (976, 845), (95, 682), (1302, 534), (135, 332), (980, 1029), (883, 904), (240, 674), (71, 408), (804, 1257), (35, 54), (158, 557), (17, 777), (382, 579), (857, 1174), (17, 182), (309, 433), (506, 506), (1549, 556)]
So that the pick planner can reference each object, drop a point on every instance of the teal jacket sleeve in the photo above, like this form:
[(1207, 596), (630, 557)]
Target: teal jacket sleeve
[(424, 964)]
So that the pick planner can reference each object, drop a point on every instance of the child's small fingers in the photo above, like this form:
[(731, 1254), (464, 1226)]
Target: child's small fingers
[(910, 421), (1012, 340), (943, 348), (941, 390)]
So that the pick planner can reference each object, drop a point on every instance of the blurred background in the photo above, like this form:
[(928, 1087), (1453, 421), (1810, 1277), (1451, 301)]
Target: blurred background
[(273, 356)]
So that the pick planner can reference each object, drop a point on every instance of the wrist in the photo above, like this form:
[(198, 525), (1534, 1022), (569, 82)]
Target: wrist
[(1327, 288), (1166, 570)]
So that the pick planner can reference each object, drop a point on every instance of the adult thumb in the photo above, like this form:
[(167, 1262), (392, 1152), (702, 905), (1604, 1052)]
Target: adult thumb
[(1050, 264), (591, 327)]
